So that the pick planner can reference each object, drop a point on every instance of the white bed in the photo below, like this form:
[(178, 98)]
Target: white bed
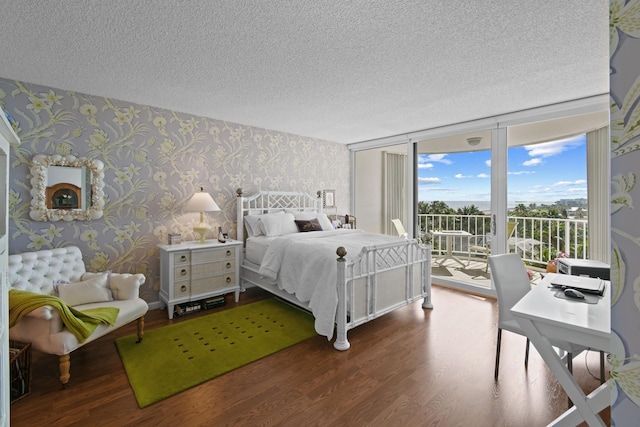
[(372, 275)]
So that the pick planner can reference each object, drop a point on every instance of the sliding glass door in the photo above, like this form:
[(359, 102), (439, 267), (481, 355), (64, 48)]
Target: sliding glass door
[(472, 188), (454, 205)]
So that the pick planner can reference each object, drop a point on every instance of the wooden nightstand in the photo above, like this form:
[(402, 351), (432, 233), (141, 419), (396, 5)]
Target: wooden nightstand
[(192, 271)]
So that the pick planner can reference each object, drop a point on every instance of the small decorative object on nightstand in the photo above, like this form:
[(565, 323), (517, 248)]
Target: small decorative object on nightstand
[(192, 271)]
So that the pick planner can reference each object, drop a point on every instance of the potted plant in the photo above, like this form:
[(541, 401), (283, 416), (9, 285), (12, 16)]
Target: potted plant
[(552, 265)]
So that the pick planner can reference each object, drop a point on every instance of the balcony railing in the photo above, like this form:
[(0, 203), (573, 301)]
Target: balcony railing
[(537, 240)]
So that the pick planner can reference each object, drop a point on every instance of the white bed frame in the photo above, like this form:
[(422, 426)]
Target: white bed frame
[(378, 280)]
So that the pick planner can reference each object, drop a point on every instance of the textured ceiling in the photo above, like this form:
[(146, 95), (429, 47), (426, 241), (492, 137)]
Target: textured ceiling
[(334, 70)]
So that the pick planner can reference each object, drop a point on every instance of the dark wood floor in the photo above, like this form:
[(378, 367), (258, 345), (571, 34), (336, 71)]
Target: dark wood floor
[(413, 367)]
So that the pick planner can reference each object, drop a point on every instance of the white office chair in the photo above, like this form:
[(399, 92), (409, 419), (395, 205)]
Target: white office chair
[(512, 283), (399, 228)]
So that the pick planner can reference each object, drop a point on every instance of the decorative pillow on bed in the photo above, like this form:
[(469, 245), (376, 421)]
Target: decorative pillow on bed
[(321, 217), (278, 224), (92, 290), (252, 224), (308, 225)]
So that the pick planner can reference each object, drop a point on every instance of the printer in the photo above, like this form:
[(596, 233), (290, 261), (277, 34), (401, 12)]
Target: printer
[(583, 267)]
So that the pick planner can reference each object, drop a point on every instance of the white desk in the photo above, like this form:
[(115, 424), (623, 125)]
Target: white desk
[(450, 234), (542, 315)]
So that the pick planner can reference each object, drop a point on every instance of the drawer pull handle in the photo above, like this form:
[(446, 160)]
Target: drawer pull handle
[(183, 288), (183, 272), (183, 258), (228, 253), (228, 279), (228, 265)]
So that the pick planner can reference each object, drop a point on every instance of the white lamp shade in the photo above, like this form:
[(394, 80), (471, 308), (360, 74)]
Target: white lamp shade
[(201, 202)]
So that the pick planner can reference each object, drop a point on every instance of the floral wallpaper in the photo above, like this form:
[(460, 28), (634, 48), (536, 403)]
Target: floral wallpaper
[(625, 192), (154, 160)]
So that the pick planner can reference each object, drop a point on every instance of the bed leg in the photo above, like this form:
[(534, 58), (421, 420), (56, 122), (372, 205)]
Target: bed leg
[(341, 342), (426, 277)]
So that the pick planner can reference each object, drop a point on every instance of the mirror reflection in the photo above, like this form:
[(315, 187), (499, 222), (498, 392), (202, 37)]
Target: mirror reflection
[(66, 188)]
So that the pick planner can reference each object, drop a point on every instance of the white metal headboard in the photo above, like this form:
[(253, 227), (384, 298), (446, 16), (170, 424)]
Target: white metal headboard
[(273, 201)]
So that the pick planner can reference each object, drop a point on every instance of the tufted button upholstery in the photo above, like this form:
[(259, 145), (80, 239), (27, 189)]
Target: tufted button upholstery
[(43, 327), (38, 271)]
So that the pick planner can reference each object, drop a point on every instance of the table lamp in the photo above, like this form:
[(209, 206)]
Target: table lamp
[(201, 202)]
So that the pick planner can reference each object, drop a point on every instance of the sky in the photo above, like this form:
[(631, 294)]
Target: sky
[(539, 173)]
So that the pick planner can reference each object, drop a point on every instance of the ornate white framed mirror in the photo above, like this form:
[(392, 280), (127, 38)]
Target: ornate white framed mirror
[(66, 188)]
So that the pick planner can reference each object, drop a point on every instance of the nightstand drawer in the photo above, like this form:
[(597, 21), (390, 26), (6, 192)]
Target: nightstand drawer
[(198, 257), (181, 289), (217, 267), (180, 258), (182, 273), (207, 284)]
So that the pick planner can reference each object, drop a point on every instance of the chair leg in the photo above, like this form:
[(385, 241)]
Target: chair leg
[(526, 355), (570, 368), (65, 366), (495, 375), (602, 367), (140, 329)]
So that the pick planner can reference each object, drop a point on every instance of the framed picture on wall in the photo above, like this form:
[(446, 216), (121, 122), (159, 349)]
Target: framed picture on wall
[(328, 198)]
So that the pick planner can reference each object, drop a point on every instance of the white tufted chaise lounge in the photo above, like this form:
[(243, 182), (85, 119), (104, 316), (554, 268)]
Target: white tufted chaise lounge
[(43, 328)]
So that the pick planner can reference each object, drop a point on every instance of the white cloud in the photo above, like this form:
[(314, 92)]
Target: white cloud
[(425, 165), (428, 180), (577, 190), (460, 176), (440, 189), (548, 149), (569, 183), (483, 175), (532, 162), (487, 163), (521, 173), (436, 158)]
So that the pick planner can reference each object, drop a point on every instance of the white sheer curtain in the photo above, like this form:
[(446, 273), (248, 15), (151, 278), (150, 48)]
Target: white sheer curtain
[(394, 175), (599, 194)]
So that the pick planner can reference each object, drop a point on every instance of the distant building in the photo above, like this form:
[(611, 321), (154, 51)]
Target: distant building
[(572, 202)]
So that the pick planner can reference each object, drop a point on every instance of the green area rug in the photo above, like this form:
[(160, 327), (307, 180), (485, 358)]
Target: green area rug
[(174, 358)]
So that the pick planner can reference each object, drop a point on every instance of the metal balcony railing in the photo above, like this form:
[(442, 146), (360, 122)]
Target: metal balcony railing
[(537, 240)]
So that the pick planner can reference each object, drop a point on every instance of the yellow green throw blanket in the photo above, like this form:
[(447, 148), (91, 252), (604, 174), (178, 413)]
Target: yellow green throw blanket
[(80, 323)]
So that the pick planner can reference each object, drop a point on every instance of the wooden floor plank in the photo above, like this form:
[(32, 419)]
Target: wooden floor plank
[(411, 367)]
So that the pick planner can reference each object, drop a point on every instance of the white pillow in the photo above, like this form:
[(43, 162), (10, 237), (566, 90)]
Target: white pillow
[(252, 224), (85, 292), (322, 219), (278, 224)]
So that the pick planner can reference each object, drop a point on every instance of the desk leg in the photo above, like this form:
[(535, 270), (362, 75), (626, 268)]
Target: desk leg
[(566, 380), (599, 398)]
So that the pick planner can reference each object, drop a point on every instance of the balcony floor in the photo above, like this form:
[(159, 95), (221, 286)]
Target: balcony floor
[(472, 273)]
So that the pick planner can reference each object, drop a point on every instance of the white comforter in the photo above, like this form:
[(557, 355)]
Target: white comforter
[(304, 264)]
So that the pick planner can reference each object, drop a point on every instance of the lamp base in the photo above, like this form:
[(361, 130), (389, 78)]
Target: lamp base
[(201, 229)]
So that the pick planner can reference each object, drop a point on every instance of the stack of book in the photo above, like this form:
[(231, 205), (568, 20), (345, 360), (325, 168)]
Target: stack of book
[(187, 308), (175, 238)]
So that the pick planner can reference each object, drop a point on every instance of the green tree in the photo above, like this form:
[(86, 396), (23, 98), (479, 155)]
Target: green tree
[(470, 210), (440, 208), (521, 210), (553, 213)]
